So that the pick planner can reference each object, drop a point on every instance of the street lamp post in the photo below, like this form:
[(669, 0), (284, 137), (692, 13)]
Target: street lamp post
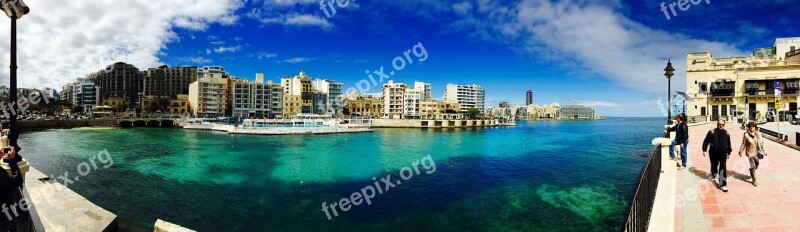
[(669, 72), (14, 9)]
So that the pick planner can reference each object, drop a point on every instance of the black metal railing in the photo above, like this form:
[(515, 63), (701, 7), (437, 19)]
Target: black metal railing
[(640, 207)]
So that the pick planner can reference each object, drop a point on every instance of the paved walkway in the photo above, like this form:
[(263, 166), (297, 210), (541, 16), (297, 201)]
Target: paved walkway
[(786, 128), (772, 206)]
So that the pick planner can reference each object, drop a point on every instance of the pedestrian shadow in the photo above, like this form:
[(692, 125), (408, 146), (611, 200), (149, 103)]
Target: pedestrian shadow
[(700, 173), (739, 176)]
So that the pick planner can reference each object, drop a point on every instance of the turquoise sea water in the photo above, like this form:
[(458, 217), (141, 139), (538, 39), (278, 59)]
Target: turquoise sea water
[(542, 176)]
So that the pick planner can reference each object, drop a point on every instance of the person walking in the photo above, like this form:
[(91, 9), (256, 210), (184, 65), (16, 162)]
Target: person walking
[(753, 147), (681, 138), (718, 143)]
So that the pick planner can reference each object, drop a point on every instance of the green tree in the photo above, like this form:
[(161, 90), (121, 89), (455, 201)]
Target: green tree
[(473, 112)]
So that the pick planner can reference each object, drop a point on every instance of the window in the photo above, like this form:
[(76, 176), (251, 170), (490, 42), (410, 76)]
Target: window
[(702, 111)]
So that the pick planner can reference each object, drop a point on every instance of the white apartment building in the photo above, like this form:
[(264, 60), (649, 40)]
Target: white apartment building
[(412, 98), (332, 99), (212, 70), (741, 87), (467, 96), (298, 95), (87, 95), (393, 100), (425, 89)]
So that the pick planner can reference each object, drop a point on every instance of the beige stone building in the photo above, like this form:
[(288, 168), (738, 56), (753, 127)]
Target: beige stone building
[(117, 104), (744, 86), (365, 106), (208, 95), (179, 105), (433, 109)]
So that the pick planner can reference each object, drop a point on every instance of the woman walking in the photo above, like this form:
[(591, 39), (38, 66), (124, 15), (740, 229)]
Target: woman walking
[(753, 147)]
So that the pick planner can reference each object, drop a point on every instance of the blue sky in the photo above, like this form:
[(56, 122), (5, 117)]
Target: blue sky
[(607, 54)]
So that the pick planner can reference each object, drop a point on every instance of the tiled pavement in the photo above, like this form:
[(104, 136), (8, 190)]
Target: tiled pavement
[(772, 206)]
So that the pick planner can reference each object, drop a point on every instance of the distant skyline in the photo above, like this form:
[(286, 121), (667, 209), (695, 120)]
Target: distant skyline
[(606, 54)]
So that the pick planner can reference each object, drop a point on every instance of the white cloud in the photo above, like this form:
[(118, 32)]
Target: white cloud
[(286, 13), (307, 20), (61, 41), (591, 36), (223, 49), (262, 55), (195, 60), (297, 60)]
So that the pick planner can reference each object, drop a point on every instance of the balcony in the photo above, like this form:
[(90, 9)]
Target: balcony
[(770, 92), (793, 53)]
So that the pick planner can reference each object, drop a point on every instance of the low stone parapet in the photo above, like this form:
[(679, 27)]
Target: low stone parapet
[(164, 226)]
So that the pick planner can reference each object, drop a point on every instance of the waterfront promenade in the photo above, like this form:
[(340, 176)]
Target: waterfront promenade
[(772, 206)]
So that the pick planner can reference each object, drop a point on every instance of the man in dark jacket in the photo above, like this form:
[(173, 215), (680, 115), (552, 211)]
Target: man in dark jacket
[(720, 149), (681, 138)]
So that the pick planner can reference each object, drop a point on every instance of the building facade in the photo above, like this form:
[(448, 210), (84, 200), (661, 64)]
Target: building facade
[(411, 99), (180, 105), (756, 87), (576, 112), (364, 106), (208, 96), (298, 97), (424, 89), (120, 80), (86, 95), (393, 100), (333, 100), (529, 97), (467, 96), (439, 110), (168, 82), (212, 70), (252, 99), (276, 105)]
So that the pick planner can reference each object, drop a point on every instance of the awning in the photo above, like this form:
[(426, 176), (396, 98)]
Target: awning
[(684, 95)]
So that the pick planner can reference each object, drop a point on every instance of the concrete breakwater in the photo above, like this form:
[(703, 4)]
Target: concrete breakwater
[(29, 125)]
